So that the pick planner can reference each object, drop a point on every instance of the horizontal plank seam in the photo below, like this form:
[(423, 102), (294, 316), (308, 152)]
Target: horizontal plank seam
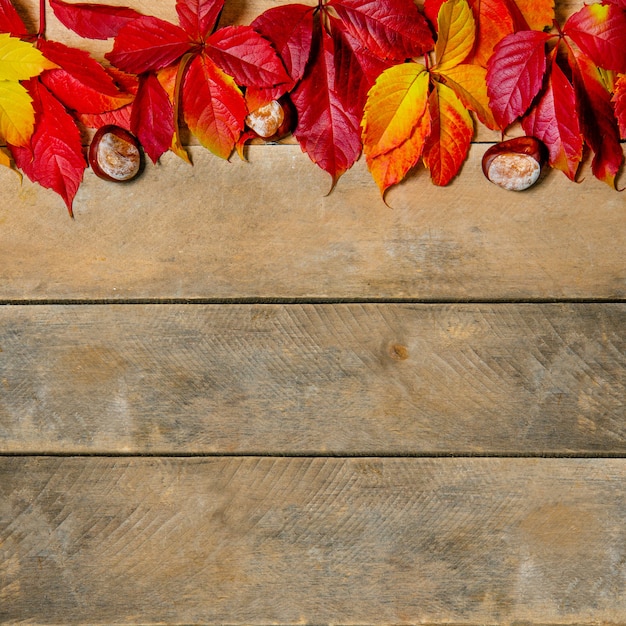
[(301, 301), (313, 455)]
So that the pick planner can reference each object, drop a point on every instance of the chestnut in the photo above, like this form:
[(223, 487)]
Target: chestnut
[(515, 164), (273, 120), (115, 154)]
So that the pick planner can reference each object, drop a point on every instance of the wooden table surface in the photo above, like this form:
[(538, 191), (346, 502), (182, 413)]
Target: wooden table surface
[(227, 397)]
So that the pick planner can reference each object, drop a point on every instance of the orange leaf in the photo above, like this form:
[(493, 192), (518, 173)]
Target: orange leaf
[(390, 168), (395, 105), (449, 141)]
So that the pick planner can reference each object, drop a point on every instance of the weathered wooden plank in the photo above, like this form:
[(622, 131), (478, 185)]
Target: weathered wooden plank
[(294, 541), (267, 229), (336, 379)]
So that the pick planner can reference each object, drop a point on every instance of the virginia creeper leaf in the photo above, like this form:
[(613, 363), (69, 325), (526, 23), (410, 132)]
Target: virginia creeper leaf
[(54, 158), (198, 17), (148, 43), (536, 14), (599, 125), (455, 34), (600, 32), (394, 107), (20, 60), (214, 107), (554, 120), (10, 20), (469, 82), (393, 29), (290, 29), (448, 143), (515, 74), (493, 23), (326, 131), (152, 117), (247, 56), (390, 168), (80, 82), (17, 117), (93, 21)]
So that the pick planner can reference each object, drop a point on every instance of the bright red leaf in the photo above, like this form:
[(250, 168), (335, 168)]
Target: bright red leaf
[(10, 20), (93, 21), (198, 17), (55, 157)]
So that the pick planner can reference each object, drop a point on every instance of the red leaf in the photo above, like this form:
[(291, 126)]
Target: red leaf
[(55, 157), (600, 32), (10, 21), (554, 120), (515, 74), (198, 17), (80, 83), (326, 131), (213, 106), (93, 21), (148, 43), (619, 100), (247, 56), (290, 29), (356, 69), (391, 29), (152, 118), (599, 126)]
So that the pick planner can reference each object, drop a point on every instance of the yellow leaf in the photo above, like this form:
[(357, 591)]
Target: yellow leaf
[(390, 168), (470, 85), (395, 105), (457, 31), (20, 60), (17, 118)]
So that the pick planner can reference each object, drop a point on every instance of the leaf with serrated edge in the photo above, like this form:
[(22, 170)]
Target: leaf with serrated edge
[(390, 29), (198, 17), (515, 74), (214, 108), (600, 32), (619, 102), (17, 117), (326, 131), (392, 167), (469, 82), (455, 34), (20, 60), (93, 21), (450, 137), (246, 56), (394, 106), (554, 121)]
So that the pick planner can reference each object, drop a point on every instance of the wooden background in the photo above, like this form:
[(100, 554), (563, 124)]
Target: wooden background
[(226, 397)]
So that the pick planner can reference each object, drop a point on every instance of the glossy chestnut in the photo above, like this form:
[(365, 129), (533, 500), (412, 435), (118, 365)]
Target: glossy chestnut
[(115, 154), (515, 164), (274, 120)]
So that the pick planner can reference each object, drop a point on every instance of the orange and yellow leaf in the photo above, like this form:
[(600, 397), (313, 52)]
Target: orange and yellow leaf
[(395, 105), (456, 34), (17, 117)]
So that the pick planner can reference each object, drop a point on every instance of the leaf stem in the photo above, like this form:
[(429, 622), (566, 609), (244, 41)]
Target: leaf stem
[(42, 20)]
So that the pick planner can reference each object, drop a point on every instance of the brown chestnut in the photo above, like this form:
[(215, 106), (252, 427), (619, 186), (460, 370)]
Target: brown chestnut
[(515, 164), (273, 120), (115, 154)]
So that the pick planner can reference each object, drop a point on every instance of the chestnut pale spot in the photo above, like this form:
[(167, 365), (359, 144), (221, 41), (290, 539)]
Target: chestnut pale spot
[(119, 159), (266, 120), (512, 171)]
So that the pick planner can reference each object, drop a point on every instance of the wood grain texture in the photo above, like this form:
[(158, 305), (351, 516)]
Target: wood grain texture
[(267, 229), (313, 379), (317, 541)]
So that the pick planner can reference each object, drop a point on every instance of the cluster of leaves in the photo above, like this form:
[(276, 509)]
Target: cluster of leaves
[(402, 85)]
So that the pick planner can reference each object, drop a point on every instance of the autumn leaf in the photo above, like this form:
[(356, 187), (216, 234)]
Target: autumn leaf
[(333, 53), (10, 20), (216, 62), (54, 158), (19, 60), (619, 101), (93, 21), (435, 100)]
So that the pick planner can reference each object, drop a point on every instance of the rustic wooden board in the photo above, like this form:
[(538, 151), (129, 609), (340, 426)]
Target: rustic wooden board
[(318, 541), (267, 229), (313, 379)]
